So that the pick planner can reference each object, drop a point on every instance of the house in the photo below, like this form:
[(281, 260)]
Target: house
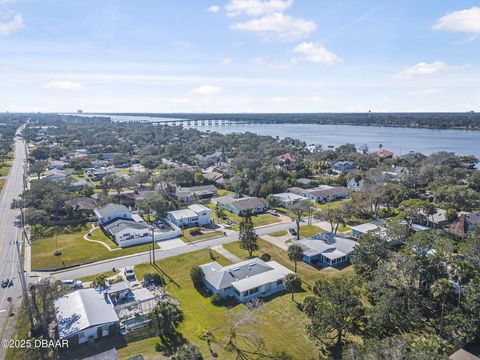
[(354, 185), (466, 223), (111, 354), (80, 184), (326, 249), (287, 199), (100, 163), (246, 280), (285, 158), (304, 181), (187, 194), (97, 175), (383, 154), (128, 233), (57, 165), (82, 203), (363, 229), (118, 292), (463, 355), (342, 167), (241, 205), (216, 177), (112, 212), (437, 220), (85, 314), (195, 214), (395, 173), (321, 193), (55, 175), (215, 157)]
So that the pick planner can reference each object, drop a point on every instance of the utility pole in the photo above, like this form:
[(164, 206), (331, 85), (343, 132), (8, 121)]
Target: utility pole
[(23, 282), (153, 245)]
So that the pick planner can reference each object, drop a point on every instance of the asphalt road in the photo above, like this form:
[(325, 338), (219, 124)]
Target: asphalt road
[(132, 260), (9, 233)]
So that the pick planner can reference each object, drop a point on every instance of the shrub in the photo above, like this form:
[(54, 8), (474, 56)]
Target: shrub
[(266, 257), (153, 278), (216, 300), (197, 275)]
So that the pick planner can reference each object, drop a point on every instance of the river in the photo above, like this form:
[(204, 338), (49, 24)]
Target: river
[(398, 140)]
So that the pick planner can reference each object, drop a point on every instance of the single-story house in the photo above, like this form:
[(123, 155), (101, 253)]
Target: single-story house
[(57, 165), (437, 220), (80, 184), (395, 173), (55, 175), (241, 205), (87, 314), (112, 212), (195, 214), (285, 158), (214, 157), (129, 233), (321, 193), (287, 199), (383, 154), (341, 167), (97, 175), (100, 163), (187, 194), (327, 249), (363, 229), (466, 223), (82, 203), (245, 280), (354, 185)]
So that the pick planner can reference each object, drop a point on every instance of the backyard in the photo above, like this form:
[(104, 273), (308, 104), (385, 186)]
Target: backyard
[(75, 250), (281, 317)]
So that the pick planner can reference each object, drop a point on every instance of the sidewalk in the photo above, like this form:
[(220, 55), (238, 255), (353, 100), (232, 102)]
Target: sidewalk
[(228, 254)]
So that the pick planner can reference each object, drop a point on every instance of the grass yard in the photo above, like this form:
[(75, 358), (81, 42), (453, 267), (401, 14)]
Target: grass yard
[(258, 220), (223, 192), (281, 326), (265, 219), (308, 273), (279, 233), (332, 203), (98, 235), (204, 234), (2, 184), (309, 230), (91, 277), (4, 170), (75, 249)]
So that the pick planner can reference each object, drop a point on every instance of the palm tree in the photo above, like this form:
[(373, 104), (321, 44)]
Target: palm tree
[(292, 284), (295, 254), (440, 289)]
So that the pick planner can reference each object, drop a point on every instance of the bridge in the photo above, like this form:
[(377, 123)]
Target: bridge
[(192, 123)]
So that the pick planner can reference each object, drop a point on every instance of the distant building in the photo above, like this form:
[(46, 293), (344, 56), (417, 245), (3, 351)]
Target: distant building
[(354, 185), (192, 216), (187, 194), (342, 167), (57, 165), (465, 224), (112, 212), (383, 154), (241, 205), (245, 280), (322, 193), (287, 199)]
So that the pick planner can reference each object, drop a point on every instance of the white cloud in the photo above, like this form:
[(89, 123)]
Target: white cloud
[(64, 85), (207, 90), (256, 7), (226, 61), (426, 92), (9, 27), (316, 53), (422, 69), (214, 9), (467, 21), (281, 26)]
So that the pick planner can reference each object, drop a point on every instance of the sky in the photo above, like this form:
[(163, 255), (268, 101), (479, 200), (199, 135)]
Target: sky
[(239, 55)]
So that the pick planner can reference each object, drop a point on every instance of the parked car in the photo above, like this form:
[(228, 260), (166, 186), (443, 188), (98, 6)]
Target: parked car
[(129, 274), (272, 212), (292, 231), (73, 283), (5, 283)]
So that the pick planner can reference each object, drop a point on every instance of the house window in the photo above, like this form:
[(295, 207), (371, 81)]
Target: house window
[(253, 291), (279, 282), (81, 335)]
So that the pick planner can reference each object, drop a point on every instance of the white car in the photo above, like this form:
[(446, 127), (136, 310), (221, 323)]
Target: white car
[(73, 283), (129, 274)]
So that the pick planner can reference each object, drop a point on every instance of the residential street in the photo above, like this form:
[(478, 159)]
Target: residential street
[(131, 260), (8, 234)]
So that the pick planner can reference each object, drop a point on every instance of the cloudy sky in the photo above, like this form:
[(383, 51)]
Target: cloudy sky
[(239, 55)]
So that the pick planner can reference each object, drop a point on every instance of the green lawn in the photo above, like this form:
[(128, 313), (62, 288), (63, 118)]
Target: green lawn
[(309, 230), (75, 249), (2, 184), (205, 234), (265, 219), (4, 170), (279, 233), (98, 235), (223, 192), (308, 273), (258, 220), (281, 326), (333, 203)]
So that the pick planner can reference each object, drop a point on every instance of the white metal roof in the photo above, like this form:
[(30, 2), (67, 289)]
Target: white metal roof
[(82, 309)]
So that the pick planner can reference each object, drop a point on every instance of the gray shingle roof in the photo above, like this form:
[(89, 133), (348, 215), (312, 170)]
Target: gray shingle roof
[(110, 208), (249, 203)]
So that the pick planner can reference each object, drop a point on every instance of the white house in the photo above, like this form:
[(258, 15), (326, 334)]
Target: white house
[(245, 280), (187, 194), (112, 212), (354, 185), (195, 214), (128, 233), (87, 314), (321, 193), (241, 205), (286, 199), (327, 249)]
